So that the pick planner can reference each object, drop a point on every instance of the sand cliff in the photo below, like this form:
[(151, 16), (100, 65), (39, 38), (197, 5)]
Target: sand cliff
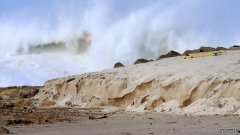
[(202, 86)]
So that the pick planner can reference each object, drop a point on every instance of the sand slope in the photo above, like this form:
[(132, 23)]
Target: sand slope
[(202, 86)]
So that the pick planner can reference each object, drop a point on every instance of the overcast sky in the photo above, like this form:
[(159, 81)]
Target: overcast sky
[(221, 17)]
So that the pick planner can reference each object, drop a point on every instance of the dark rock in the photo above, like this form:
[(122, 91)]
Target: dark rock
[(191, 51), (3, 131), (170, 54), (117, 65), (220, 48), (7, 105), (68, 103), (19, 122), (29, 94), (235, 47), (69, 80), (206, 49), (138, 61), (98, 117)]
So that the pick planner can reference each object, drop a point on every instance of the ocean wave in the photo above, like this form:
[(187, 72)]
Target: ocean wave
[(73, 37)]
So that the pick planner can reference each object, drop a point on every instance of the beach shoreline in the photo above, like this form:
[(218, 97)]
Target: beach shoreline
[(136, 124)]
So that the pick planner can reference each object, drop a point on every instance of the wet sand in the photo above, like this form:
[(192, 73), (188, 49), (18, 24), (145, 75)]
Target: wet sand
[(137, 124)]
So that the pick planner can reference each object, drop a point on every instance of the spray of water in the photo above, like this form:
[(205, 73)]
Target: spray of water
[(72, 37)]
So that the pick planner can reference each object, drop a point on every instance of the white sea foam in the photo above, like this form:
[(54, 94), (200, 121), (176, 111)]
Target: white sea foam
[(93, 35)]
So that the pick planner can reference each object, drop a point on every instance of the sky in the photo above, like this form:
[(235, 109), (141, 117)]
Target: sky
[(217, 12)]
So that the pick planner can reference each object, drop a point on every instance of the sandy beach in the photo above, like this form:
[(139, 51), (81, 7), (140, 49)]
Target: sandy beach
[(137, 124)]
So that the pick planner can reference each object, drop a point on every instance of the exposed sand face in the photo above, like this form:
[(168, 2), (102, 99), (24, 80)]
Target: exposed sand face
[(202, 86)]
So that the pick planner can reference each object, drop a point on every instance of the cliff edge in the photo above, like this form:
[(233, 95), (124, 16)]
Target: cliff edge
[(201, 86)]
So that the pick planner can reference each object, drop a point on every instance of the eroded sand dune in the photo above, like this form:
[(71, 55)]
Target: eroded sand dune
[(202, 86)]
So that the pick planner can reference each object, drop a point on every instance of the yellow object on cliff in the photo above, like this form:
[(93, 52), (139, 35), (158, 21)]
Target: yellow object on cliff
[(204, 54)]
